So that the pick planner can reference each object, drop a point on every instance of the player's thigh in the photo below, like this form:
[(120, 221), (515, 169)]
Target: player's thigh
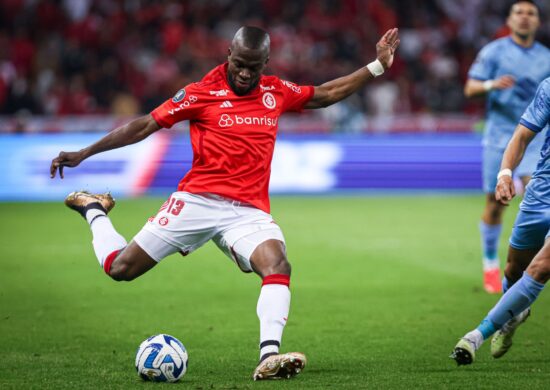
[(240, 243), (492, 158), (530, 229), (184, 223)]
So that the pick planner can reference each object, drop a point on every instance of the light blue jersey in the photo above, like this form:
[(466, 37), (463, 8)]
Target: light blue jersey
[(536, 118), (532, 225), (529, 66)]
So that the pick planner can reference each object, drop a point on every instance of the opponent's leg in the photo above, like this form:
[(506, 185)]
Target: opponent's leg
[(490, 228), (517, 299), (269, 261), (518, 261)]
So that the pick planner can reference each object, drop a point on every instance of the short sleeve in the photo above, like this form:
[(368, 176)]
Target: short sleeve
[(295, 96), (485, 64), (186, 104), (537, 114)]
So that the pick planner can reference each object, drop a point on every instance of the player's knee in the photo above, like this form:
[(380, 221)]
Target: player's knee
[(540, 270), (280, 265), (121, 271), (495, 211), (513, 272)]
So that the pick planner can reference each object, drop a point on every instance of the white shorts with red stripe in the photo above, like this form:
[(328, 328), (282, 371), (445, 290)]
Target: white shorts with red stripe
[(187, 221)]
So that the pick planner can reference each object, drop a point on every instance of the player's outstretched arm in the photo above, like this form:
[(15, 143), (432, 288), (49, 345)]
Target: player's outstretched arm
[(505, 190), (130, 133), (475, 87), (338, 89)]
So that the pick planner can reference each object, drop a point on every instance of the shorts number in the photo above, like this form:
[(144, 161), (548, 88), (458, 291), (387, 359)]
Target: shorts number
[(175, 206)]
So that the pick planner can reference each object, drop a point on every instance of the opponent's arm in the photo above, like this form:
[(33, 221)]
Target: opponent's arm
[(338, 89), (513, 154), (128, 134), (475, 87)]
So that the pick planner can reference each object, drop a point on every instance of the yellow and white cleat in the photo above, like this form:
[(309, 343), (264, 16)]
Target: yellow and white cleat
[(502, 339), (281, 366), (464, 352)]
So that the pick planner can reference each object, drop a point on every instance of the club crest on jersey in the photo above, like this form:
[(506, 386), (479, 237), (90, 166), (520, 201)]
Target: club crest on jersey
[(178, 97), (269, 100), (163, 221)]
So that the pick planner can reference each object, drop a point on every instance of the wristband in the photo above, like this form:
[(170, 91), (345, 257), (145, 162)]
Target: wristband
[(504, 172), (376, 68), (488, 85)]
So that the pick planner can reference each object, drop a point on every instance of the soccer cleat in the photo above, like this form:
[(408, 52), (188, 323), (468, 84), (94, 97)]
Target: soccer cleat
[(283, 366), (81, 201), (491, 281), (502, 339), (464, 352)]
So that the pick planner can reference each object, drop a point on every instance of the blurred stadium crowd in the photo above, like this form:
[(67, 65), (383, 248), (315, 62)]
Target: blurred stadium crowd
[(125, 57)]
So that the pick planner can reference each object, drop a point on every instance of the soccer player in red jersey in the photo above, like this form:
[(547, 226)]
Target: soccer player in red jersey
[(233, 112)]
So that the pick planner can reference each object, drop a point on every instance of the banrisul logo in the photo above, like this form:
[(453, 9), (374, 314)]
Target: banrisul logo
[(227, 120), (178, 97)]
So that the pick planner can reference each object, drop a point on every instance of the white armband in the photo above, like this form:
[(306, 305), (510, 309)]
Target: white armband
[(376, 68), (488, 85), (504, 172)]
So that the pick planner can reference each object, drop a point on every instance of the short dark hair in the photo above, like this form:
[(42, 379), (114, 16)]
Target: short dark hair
[(522, 1), (252, 37)]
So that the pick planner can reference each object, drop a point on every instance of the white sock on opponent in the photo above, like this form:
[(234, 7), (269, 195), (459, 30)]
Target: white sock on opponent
[(272, 309)]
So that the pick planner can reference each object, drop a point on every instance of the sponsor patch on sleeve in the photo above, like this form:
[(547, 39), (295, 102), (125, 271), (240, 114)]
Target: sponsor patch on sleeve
[(178, 97), (292, 86)]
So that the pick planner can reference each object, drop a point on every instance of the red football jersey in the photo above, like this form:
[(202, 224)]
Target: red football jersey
[(232, 136)]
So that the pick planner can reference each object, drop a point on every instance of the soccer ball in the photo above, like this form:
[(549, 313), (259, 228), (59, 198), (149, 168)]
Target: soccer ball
[(161, 358)]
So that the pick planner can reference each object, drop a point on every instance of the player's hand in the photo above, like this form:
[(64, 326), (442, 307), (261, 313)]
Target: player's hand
[(385, 48), (504, 82), (65, 159), (505, 190)]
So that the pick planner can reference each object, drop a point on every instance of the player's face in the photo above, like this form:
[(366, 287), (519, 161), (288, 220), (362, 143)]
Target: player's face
[(245, 66), (524, 19)]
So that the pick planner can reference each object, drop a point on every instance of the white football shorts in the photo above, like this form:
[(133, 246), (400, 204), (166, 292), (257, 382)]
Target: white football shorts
[(187, 221)]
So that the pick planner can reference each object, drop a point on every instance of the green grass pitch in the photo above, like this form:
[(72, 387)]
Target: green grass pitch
[(382, 288)]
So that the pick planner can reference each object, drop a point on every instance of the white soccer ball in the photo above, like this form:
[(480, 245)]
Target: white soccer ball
[(161, 358)]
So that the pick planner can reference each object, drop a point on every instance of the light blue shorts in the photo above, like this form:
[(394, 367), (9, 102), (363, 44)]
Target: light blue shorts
[(492, 157), (531, 229)]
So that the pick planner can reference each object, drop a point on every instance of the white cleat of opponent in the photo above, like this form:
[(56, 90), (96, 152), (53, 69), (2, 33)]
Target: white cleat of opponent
[(283, 366), (502, 339)]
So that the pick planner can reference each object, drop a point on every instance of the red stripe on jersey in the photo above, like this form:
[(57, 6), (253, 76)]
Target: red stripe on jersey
[(109, 260), (277, 279)]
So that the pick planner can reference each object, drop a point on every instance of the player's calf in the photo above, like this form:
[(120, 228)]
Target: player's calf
[(129, 263)]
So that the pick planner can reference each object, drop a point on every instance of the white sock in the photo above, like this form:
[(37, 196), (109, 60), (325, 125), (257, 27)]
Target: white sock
[(489, 264), (106, 239), (475, 337), (272, 310)]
